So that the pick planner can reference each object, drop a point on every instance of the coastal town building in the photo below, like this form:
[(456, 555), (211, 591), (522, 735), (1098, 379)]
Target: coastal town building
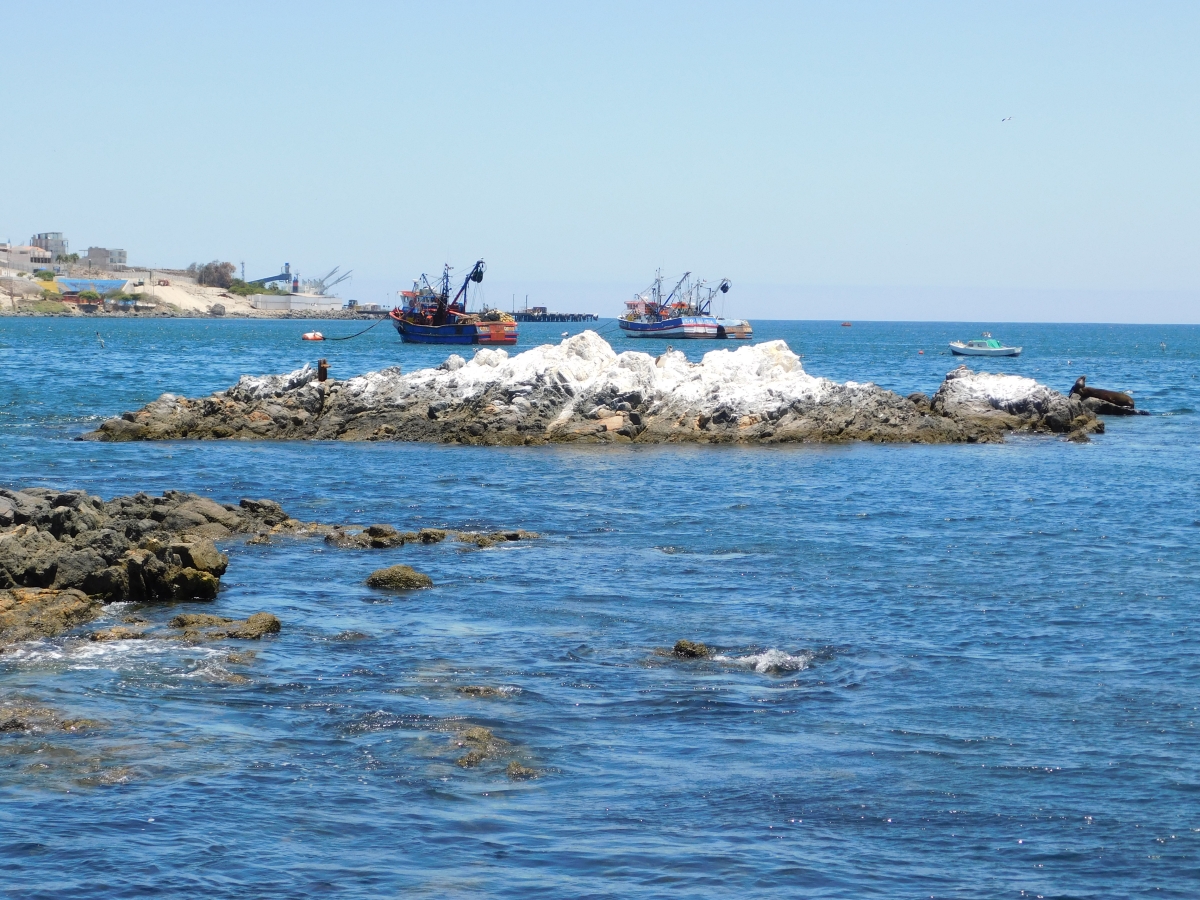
[(101, 256), (24, 257), (52, 242)]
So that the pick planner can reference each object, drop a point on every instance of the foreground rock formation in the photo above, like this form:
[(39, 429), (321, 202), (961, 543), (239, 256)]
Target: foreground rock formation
[(63, 554), (581, 390)]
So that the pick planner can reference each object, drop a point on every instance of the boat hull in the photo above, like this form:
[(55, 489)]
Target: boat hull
[(693, 327), (490, 333), (982, 351)]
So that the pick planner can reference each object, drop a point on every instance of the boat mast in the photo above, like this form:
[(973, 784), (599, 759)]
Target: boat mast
[(476, 276)]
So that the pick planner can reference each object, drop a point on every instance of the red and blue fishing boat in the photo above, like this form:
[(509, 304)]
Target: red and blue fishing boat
[(686, 312), (428, 315)]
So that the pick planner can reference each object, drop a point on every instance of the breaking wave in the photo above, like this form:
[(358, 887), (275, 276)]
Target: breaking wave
[(769, 662)]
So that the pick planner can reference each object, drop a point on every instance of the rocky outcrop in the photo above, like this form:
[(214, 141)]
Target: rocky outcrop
[(581, 390), (1012, 402), (128, 548), (691, 649), (381, 537), (65, 553)]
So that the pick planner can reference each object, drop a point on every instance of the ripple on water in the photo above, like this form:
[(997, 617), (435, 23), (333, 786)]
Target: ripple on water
[(962, 671)]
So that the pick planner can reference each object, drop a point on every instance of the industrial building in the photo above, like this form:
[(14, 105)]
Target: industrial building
[(296, 302)]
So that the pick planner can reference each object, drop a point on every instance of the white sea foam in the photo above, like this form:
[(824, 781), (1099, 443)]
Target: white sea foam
[(769, 661), (80, 655)]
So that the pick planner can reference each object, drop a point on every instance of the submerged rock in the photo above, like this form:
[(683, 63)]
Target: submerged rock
[(211, 628), (581, 390), (23, 717), (198, 620), (118, 633), (480, 744), (518, 772), (28, 613), (483, 540), (398, 578), (480, 690)]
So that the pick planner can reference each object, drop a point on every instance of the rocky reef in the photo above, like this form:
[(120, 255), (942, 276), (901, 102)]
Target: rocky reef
[(63, 554), (581, 390)]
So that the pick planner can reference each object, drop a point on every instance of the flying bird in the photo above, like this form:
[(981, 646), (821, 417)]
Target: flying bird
[(1007, 119)]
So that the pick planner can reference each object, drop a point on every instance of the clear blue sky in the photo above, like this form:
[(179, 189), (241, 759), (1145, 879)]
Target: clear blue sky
[(833, 159)]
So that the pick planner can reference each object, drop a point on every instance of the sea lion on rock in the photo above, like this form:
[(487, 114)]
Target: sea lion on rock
[(1116, 398)]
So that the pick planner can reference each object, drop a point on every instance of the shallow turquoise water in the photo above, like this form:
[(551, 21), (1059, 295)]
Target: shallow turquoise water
[(984, 680)]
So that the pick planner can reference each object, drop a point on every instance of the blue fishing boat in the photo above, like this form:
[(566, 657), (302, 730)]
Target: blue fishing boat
[(686, 312), (428, 315)]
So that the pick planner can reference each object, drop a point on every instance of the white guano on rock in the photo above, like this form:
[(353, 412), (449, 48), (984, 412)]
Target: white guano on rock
[(581, 390)]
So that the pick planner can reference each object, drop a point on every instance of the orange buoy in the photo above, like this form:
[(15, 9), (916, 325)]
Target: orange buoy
[(313, 336)]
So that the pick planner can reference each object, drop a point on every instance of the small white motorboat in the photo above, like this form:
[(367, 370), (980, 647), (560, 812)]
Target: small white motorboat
[(984, 347)]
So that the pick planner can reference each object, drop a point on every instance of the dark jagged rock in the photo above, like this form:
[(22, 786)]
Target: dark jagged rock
[(581, 390), (691, 649), (1104, 408), (65, 553), (398, 578)]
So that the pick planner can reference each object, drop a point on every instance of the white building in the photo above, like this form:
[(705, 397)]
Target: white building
[(24, 258)]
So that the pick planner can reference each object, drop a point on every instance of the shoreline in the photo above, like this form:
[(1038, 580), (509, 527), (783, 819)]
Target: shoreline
[(346, 314)]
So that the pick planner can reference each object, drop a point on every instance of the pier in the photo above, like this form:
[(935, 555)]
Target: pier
[(541, 314)]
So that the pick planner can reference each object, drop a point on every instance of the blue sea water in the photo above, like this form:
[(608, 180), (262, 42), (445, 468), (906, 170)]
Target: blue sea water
[(966, 671)]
